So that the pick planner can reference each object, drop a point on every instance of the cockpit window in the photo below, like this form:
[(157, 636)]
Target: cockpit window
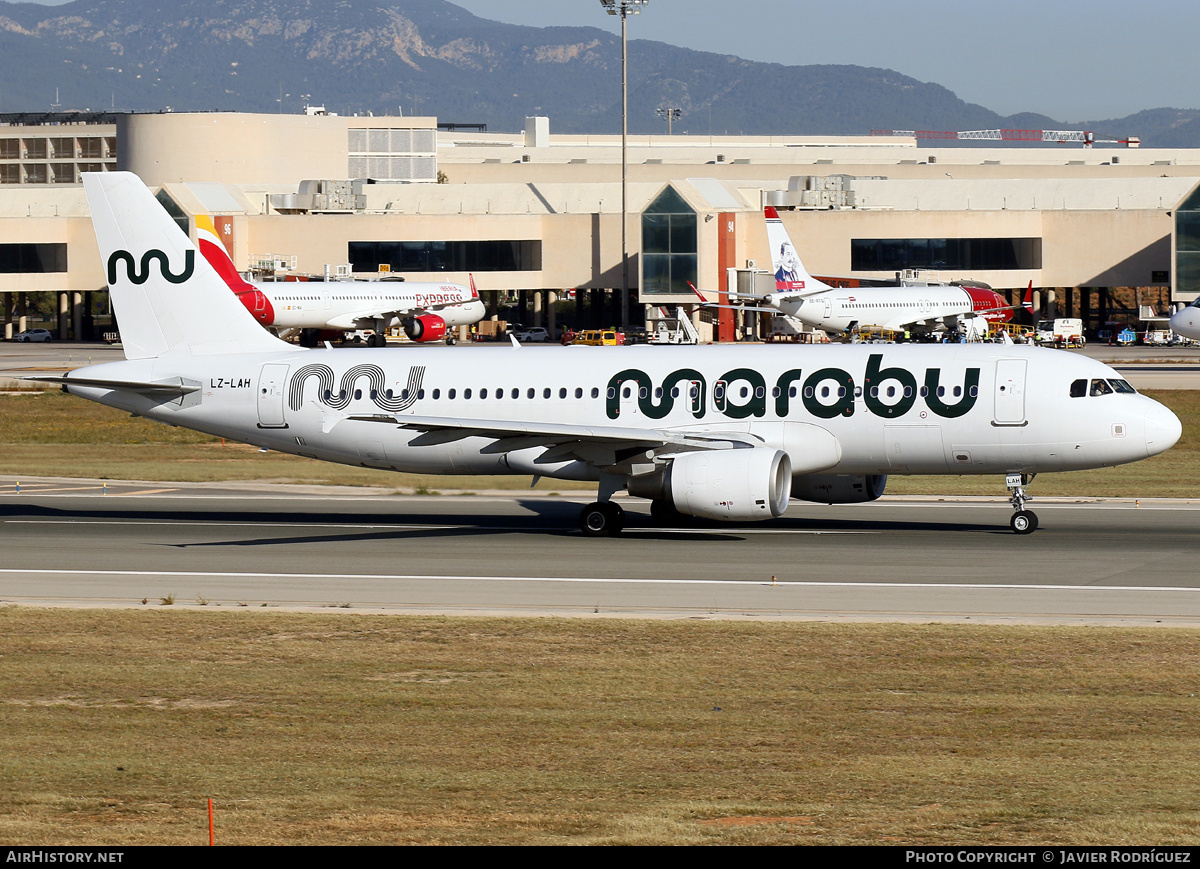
[(1122, 386), (1079, 389), (1101, 387)]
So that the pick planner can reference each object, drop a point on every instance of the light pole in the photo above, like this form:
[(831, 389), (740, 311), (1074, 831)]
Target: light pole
[(670, 115), (624, 8)]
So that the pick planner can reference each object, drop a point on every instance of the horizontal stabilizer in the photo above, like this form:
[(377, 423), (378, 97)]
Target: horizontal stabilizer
[(173, 386)]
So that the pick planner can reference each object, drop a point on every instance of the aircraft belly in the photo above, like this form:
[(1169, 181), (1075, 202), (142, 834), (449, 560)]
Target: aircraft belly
[(915, 449)]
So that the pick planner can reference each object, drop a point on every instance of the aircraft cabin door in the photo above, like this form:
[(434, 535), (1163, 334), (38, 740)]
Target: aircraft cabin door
[(1010, 392), (270, 395)]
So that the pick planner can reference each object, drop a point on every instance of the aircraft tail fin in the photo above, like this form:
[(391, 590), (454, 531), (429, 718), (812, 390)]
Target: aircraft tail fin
[(167, 297), (1027, 302), (218, 256), (790, 274)]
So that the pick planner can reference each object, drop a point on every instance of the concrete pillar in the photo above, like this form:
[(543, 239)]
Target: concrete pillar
[(551, 312), (8, 323), (1036, 299), (537, 308), (89, 322), (1051, 304), (64, 316), (21, 309), (77, 315)]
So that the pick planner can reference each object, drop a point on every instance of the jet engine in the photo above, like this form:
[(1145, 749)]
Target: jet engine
[(733, 485), (427, 327), (838, 488)]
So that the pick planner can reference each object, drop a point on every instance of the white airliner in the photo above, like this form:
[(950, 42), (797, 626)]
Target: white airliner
[(916, 307), (1186, 321), (720, 432), (427, 311)]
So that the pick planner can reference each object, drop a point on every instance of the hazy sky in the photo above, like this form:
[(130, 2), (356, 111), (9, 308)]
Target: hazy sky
[(1073, 61)]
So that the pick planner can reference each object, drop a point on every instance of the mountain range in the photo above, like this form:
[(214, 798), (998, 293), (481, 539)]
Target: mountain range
[(430, 57)]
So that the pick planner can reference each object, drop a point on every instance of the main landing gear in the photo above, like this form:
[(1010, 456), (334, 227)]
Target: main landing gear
[(1022, 521), (604, 518)]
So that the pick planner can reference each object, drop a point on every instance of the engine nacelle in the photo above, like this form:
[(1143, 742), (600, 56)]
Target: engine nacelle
[(732, 485), (427, 327), (838, 488)]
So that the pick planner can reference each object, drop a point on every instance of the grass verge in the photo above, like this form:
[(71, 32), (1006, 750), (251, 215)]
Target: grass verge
[(117, 726)]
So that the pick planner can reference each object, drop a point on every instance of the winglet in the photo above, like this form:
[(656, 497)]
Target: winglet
[(1027, 302), (474, 292)]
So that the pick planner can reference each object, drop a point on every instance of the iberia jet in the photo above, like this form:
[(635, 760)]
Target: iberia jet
[(721, 432), (427, 311), (921, 308)]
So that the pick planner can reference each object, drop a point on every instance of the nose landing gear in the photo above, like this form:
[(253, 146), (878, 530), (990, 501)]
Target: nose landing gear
[(1022, 521)]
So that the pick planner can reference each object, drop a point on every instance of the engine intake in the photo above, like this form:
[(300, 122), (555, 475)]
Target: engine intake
[(427, 327), (730, 485)]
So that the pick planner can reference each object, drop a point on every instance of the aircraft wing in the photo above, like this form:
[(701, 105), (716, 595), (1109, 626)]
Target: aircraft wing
[(603, 446)]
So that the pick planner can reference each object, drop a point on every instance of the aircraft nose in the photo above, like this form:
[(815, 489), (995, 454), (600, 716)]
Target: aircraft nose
[(1163, 429)]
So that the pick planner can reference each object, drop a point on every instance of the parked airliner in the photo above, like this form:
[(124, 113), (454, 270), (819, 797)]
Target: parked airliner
[(916, 307), (720, 432), (1186, 321), (428, 312)]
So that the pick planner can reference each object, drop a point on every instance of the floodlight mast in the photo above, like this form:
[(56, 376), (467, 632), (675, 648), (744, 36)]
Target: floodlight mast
[(624, 8)]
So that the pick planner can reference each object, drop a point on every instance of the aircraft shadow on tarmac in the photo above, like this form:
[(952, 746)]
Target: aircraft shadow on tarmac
[(539, 517)]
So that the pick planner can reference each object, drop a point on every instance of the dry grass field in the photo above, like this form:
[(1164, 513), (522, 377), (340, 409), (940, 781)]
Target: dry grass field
[(116, 726), (52, 434)]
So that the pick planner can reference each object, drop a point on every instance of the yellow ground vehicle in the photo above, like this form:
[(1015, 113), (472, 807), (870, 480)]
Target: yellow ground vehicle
[(599, 337)]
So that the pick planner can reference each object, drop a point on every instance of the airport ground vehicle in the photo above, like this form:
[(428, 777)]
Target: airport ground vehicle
[(599, 337), (1060, 332), (34, 335), (534, 334)]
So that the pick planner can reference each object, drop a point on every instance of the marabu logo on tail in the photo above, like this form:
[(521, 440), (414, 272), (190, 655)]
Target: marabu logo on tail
[(140, 276)]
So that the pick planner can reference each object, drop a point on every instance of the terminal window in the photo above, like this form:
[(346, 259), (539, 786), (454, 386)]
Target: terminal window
[(446, 256), (957, 254), (1187, 245), (32, 259), (669, 252)]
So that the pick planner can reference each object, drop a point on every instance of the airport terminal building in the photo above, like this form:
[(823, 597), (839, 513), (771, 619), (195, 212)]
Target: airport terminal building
[(1101, 232)]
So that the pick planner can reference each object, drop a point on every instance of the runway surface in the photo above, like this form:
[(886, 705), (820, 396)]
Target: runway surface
[(912, 559)]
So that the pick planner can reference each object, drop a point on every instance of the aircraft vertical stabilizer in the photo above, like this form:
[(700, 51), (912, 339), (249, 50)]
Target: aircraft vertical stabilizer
[(790, 274), (167, 298)]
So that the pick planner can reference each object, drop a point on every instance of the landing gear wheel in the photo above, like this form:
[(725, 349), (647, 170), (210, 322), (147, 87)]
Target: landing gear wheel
[(451, 340), (601, 519), (1024, 522)]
